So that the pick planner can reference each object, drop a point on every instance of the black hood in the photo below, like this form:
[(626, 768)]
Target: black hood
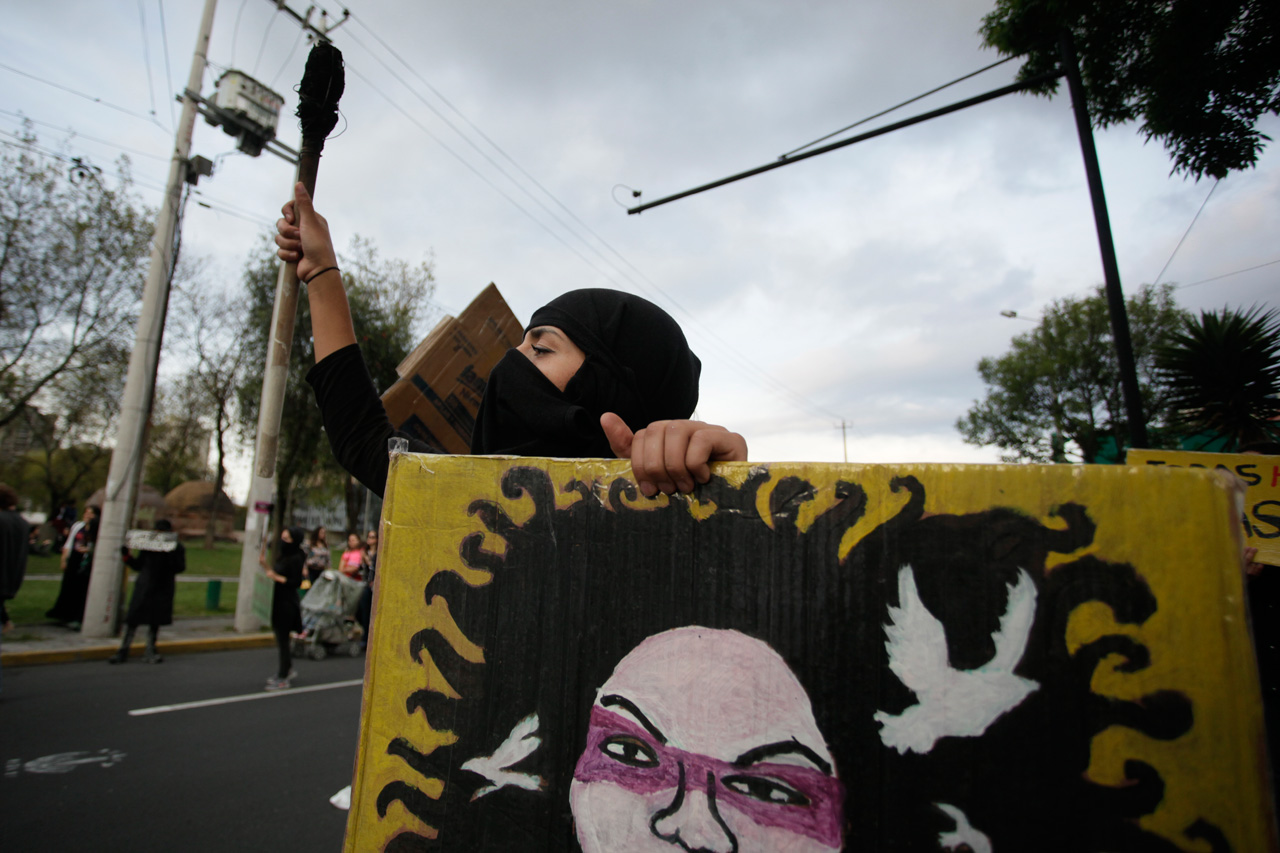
[(638, 365)]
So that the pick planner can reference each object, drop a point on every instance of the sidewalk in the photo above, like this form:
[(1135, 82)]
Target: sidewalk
[(31, 645)]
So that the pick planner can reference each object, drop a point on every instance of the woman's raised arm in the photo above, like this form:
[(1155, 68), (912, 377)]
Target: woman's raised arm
[(303, 238)]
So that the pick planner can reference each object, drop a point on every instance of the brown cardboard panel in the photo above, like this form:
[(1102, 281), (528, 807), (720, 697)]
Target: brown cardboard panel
[(808, 658), (442, 380)]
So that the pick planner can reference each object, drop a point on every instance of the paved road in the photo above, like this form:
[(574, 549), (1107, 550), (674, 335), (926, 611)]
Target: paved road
[(246, 775)]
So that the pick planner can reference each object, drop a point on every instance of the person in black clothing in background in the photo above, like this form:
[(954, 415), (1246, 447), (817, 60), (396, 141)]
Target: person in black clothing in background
[(63, 521), (77, 560), (152, 601), (13, 551), (286, 609)]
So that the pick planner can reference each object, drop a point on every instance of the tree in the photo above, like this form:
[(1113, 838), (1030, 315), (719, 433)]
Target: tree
[(73, 257), (389, 301), (72, 439), (1055, 396), (1223, 374), (48, 476), (177, 439), (212, 339), (1198, 75)]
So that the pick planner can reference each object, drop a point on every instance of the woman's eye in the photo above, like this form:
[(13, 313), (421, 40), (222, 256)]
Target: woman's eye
[(765, 790), (629, 750), (541, 350)]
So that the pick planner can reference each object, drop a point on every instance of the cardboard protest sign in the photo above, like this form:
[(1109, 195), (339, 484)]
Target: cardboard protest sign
[(151, 540), (442, 380), (809, 657), (1261, 476)]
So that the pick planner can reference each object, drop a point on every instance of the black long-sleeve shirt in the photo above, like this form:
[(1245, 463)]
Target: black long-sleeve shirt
[(354, 419)]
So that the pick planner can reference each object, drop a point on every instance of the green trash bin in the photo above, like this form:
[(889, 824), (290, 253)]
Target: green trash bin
[(213, 595)]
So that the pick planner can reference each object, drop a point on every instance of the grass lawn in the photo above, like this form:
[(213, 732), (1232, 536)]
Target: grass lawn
[(223, 561), (35, 597)]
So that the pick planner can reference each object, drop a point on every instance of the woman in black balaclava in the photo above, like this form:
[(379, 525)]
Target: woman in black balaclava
[(606, 359), (600, 373)]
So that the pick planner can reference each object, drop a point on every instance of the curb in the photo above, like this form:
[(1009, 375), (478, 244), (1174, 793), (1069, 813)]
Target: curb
[(172, 647)]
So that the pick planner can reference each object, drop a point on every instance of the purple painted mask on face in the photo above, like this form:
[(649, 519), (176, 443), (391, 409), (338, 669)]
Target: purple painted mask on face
[(799, 799)]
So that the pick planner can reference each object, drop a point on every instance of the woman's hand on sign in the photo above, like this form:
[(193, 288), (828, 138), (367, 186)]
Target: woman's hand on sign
[(303, 235), (1251, 564), (672, 456)]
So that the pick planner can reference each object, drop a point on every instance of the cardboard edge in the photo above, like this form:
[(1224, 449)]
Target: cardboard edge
[(398, 460)]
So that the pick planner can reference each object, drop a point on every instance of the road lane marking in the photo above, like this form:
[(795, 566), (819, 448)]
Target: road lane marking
[(247, 697)]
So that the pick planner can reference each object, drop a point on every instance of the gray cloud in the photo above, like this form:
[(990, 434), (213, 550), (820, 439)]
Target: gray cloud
[(869, 281)]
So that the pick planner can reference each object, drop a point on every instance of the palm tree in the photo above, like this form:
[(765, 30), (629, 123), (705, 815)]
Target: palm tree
[(1223, 374)]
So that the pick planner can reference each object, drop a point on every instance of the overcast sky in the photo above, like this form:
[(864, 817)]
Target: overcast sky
[(862, 285)]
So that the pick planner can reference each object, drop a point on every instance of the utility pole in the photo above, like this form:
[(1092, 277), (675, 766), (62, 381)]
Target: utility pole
[(102, 610), (1110, 268), (844, 437)]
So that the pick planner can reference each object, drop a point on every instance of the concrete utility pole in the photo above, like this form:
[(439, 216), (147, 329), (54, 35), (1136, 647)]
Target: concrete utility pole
[(102, 610), (253, 598)]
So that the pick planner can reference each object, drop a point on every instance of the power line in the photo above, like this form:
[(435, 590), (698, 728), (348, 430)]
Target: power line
[(482, 135), (23, 143), (146, 56), (266, 31), (1020, 86), (77, 134), (455, 129), (740, 362), (168, 74), (919, 97), (1174, 253), (228, 207), (26, 144), (96, 100), (568, 228), (436, 139), (1228, 274), (235, 31), (297, 41), (603, 273), (256, 220), (29, 145)]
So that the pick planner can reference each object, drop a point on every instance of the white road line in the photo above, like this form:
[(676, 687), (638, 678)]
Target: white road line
[(247, 697)]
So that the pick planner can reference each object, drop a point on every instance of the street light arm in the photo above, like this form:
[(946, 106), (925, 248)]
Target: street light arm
[(862, 137)]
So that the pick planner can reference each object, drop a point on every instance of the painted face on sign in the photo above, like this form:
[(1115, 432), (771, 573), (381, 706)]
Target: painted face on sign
[(704, 740)]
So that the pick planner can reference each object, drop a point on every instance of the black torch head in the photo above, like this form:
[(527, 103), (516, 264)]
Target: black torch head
[(318, 94)]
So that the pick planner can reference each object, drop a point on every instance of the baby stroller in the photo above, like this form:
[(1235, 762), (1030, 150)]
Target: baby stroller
[(328, 617)]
